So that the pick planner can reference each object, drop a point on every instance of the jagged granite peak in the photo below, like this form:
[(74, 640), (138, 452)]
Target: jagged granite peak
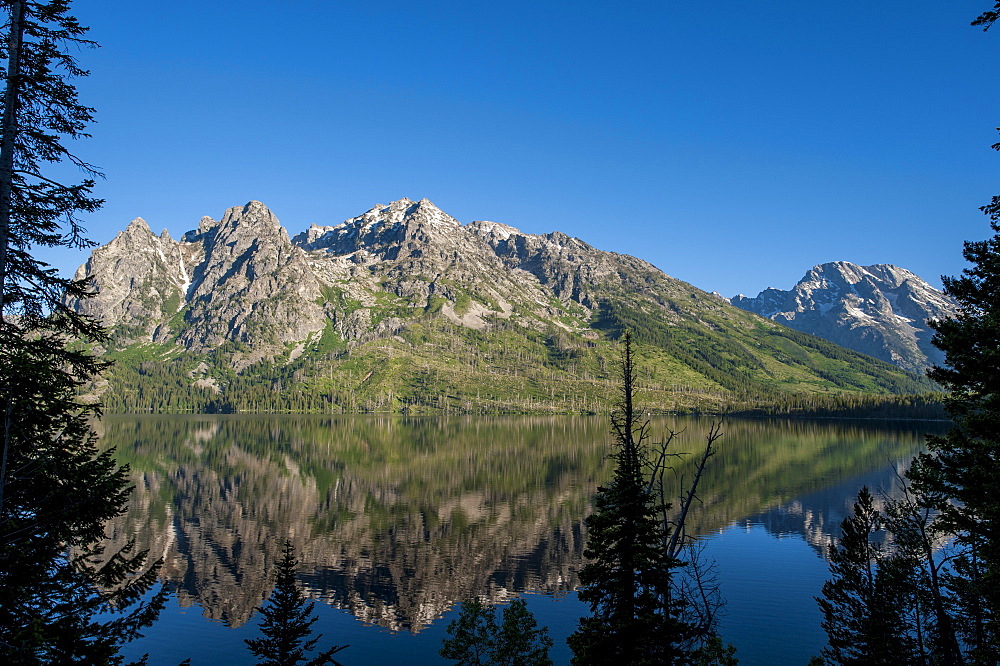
[(384, 229), (252, 214), (251, 277), (137, 227), (230, 280), (242, 279), (229, 276), (880, 310), (139, 277), (568, 266), (417, 252), (421, 252)]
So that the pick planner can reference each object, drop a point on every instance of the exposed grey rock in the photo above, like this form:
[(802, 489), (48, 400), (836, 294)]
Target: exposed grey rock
[(251, 278), (880, 310), (417, 253), (140, 279), (242, 280), (228, 280)]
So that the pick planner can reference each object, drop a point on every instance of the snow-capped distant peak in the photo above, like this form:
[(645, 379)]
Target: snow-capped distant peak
[(879, 310)]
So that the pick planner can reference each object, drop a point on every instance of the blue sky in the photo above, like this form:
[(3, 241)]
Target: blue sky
[(732, 144)]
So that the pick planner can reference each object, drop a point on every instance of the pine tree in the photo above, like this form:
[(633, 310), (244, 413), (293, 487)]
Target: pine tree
[(288, 620), (40, 111), (636, 617), (866, 600), (55, 577), (475, 639), (520, 641), (56, 490), (988, 18), (471, 635)]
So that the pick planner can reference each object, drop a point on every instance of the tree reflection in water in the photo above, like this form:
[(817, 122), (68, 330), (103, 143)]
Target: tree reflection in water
[(398, 519)]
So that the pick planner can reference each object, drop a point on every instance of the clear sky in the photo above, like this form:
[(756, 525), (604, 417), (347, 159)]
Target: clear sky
[(732, 144)]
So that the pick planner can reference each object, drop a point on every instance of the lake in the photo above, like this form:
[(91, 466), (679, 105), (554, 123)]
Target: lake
[(398, 519)]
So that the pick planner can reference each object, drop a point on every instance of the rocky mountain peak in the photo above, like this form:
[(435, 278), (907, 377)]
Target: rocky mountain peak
[(138, 225), (238, 290), (137, 276), (492, 230), (137, 231), (385, 230), (250, 276), (408, 212), (881, 310), (253, 214), (138, 239), (846, 273)]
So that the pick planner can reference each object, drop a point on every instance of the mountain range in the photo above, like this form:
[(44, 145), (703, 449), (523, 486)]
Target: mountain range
[(405, 308)]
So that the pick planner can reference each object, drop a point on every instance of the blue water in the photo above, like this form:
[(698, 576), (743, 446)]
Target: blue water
[(784, 486), (768, 581)]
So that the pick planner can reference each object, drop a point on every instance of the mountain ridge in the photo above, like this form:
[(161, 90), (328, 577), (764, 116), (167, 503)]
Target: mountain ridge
[(404, 307)]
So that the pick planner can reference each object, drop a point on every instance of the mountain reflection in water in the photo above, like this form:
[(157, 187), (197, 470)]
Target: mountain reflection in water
[(398, 519)]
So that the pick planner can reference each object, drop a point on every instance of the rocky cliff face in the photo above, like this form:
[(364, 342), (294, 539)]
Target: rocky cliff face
[(412, 254), (141, 279), (880, 310), (250, 278), (230, 280)]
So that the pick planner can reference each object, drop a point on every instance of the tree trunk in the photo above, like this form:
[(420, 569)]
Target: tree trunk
[(8, 130)]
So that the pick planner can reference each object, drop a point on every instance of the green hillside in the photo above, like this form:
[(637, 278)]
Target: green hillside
[(435, 366)]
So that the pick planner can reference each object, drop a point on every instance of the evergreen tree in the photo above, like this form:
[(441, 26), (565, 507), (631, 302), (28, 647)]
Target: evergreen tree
[(520, 642), (865, 602), (475, 639), (288, 620), (988, 18), (960, 476), (56, 490), (40, 111), (471, 635), (715, 653), (55, 577), (636, 617)]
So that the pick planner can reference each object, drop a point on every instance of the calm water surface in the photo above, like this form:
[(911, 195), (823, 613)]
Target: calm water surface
[(396, 520)]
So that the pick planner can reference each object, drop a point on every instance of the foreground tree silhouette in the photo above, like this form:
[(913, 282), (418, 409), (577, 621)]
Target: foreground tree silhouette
[(866, 601), (960, 476), (896, 593), (988, 18), (475, 639), (288, 620), (56, 490), (639, 615)]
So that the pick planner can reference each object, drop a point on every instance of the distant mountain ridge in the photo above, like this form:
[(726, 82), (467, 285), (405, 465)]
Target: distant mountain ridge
[(880, 310), (403, 307)]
